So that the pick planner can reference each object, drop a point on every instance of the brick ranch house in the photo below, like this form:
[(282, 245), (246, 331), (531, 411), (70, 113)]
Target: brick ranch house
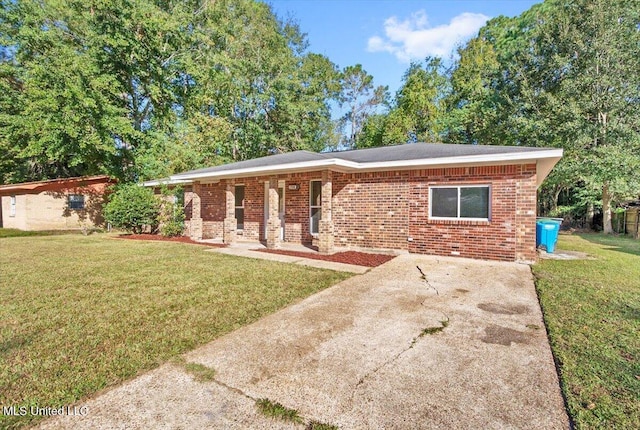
[(58, 204), (463, 200)]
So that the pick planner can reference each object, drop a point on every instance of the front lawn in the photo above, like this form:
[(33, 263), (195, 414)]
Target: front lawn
[(80, 313), (592, 311)]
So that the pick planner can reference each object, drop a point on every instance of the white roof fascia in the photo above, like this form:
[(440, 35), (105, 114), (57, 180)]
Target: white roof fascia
[(159, 182), (265, 170), (545, 161)]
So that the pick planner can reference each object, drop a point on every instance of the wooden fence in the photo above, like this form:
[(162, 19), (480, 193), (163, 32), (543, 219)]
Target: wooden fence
[(628, 222)]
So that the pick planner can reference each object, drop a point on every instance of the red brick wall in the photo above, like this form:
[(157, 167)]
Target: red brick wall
[(371, 210), (386, 209), (508, 235)]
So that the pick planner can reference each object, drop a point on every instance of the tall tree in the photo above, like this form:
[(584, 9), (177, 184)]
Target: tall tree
[(582, 81), (416, 112), (562, 74), (117, 86), (361, 98)]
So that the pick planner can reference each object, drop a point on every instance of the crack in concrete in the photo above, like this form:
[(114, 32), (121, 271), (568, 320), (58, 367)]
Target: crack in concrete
[(234, 389), (423, 333)]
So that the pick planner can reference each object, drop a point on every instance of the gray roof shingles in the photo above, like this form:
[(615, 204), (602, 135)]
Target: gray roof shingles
[(413, 151)]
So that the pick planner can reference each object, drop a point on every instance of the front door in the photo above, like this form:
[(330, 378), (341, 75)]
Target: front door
[(281, 207)]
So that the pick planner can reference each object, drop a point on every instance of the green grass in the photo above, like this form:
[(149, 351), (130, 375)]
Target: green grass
[(278, 411), (592, 312), (81, 313), (14, 232), (200, 372)]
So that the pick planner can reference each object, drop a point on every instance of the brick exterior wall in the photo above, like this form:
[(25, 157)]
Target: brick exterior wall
[(390, 210), (510, 233), (371, 210), (48, 210)]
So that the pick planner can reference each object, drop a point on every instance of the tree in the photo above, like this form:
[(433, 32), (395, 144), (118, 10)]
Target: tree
[(416, 112), (472, 107), (361, 98), (582, 76), (114, 86), (563, 74)]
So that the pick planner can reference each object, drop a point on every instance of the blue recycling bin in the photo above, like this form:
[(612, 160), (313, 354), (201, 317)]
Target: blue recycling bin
[(547, 234)]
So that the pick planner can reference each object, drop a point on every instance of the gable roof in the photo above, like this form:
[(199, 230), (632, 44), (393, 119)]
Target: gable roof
[(399, 157)]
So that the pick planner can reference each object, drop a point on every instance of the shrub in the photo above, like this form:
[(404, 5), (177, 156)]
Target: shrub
[(132, 207), (171, 217)]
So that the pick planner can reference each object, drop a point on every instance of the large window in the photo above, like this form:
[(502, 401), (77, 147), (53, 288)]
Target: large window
[(463, 202), (75, 201), (240, 206), (315, 205)]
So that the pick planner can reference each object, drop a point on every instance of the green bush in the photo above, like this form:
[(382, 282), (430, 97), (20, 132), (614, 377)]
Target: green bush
[(132, 207), (171, 217)]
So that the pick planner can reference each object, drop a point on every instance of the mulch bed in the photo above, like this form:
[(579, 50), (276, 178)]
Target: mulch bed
[(347, 257), (179, 239)]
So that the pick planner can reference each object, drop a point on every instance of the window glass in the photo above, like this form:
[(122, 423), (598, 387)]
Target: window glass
[(316, 213), (239, 203), (316, 193), (315, 206), (474, 202), (12, 207), (239, 195), (76, 201), (444, 202), (460, 202)]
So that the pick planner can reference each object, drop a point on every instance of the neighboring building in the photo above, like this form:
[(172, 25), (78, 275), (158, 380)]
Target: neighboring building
[(58, 204), (467, 200)]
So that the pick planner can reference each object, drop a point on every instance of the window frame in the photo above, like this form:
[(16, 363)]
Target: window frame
[(12, 206), (71, 203), (312, 206), (458, 209)]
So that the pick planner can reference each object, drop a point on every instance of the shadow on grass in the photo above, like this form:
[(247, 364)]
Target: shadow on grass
[(612, 242), (14, 232)]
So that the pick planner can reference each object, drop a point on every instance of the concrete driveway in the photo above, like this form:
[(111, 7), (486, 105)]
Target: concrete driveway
[(463, 348)]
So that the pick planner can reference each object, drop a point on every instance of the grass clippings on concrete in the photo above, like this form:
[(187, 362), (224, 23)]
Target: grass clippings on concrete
[(81, 313), (592, 312)]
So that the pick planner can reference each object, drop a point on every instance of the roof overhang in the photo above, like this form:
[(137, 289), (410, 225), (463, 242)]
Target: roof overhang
[(165, 181), (53, 184), (544, 160)]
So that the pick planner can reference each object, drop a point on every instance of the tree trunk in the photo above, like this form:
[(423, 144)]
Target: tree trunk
[(590, 213), (607, 227)]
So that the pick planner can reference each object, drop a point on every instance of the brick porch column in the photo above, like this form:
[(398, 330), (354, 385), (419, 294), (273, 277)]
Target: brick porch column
[(273, 220), (230, 223), (196, 212), (325, 227)]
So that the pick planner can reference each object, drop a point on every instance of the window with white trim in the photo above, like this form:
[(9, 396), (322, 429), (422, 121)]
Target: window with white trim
[(75, 201), (315, 205), (12, 206), (468, 202), (239, 197)]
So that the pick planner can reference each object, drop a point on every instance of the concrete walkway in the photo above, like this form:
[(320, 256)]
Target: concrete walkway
[(248, 249), (462, 348)]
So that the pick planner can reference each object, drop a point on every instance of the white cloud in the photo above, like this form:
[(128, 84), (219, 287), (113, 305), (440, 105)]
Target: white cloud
[(415, 39)]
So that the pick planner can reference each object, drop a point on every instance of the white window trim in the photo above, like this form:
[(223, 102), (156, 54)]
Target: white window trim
[(238, 207), (458, 218), (12, 206), (311, 206)]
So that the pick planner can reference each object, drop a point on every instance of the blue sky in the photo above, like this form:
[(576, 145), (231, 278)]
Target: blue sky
[(384, 36)]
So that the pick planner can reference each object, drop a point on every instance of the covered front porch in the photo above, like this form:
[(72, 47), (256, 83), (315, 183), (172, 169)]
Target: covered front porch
[(275, 209)]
